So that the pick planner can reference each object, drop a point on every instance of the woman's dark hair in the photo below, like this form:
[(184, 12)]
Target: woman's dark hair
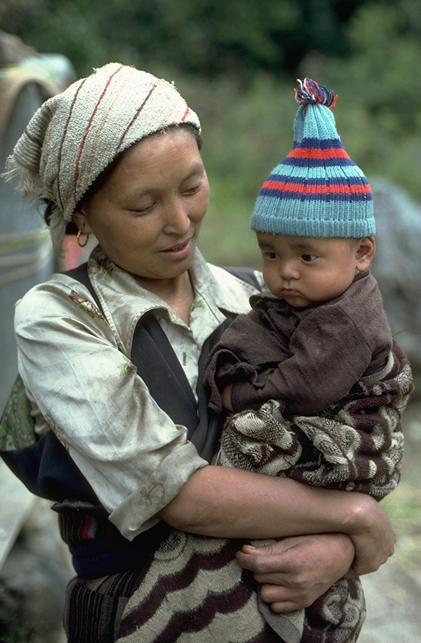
[(71, 228)]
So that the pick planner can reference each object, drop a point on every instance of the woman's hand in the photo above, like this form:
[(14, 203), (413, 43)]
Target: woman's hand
[(295, 571), (372, 536)]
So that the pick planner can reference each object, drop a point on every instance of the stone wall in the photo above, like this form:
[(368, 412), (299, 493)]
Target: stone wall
[(398, 264)]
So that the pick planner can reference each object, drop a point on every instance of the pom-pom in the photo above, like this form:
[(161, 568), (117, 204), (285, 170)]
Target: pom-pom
[(311, 93)]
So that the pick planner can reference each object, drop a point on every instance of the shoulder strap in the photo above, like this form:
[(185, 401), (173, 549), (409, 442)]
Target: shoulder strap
[(159, 368), (81, 274), (156, 363), (245, 274), (40, 463), (45, 466)]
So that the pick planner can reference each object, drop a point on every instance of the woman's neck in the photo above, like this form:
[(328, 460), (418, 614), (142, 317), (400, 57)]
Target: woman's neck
[(178, 293)]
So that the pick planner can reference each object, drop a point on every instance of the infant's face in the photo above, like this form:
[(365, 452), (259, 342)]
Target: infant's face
[(306, 271)]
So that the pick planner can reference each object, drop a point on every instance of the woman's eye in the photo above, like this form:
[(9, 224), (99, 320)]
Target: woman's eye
[(192, 190), (144, 209), (308, 258), (270, 256)]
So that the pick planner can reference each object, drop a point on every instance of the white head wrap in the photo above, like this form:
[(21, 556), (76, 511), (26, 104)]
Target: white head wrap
[(75, 135)]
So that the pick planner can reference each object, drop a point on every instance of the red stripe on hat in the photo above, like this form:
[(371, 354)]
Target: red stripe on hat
[(311, 153), (136, 114), (332, 188), (89, 123), (185, 114)]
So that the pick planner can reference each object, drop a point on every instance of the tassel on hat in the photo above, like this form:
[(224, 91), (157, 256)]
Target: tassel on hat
[(317, 190)]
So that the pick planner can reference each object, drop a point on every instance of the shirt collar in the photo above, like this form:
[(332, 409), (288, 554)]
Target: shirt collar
[(124, 301), (227, 292)]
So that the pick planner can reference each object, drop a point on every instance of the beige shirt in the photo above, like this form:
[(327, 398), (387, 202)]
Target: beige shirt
[(77, 371)]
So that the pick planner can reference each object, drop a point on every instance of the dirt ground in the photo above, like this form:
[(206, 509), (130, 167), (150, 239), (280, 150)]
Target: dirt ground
[(393, 593), (393, 607)]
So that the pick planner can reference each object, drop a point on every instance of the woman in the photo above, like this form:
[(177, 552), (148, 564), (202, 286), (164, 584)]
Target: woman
[(125, 452)]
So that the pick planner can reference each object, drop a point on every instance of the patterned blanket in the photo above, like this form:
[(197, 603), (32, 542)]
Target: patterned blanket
[(194, 590)]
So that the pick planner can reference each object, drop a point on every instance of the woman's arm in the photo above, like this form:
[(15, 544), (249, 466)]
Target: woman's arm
[(135, 458), (232, 503), (88, 383)]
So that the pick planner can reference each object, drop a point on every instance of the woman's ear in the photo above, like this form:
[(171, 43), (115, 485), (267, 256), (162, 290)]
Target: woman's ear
[(80, 219), (365, 250)]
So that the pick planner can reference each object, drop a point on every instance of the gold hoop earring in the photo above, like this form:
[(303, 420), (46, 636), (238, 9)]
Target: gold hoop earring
[(83, 243)]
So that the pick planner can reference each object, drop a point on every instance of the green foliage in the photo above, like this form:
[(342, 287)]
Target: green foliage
[(204, 37), (379, 111), (382, 72), (17, 633), (236, 62), (245, 132), (403, 508)]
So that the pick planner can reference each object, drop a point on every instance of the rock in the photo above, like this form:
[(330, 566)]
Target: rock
[(397, 266), (33, 581), (393, 613), (13, 50)]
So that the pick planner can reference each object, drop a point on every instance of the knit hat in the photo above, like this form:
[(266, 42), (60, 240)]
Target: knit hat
[(317, 190), (75, 135)]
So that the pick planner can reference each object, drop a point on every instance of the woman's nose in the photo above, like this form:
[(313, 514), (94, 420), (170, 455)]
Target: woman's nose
[(177, 217)]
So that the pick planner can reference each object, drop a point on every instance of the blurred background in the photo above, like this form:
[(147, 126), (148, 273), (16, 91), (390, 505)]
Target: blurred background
[(236, 63)]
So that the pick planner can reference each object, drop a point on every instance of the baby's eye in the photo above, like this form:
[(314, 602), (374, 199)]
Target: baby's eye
[(308, 258), (267, 254)]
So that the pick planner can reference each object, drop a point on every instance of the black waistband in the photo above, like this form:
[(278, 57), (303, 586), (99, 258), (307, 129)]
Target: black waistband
[(98, 549)]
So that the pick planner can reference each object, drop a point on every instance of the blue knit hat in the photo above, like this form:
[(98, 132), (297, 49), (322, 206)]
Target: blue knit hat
[(317, 190)]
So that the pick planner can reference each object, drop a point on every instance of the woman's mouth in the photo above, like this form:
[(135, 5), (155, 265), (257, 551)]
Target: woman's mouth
[(179, 250)]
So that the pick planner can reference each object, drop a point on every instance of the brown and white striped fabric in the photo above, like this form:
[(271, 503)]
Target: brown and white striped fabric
[(78, 133), (194, 590), (191, 590)]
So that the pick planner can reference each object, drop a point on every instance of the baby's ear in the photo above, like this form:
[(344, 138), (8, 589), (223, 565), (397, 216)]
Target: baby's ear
[(365, 249)]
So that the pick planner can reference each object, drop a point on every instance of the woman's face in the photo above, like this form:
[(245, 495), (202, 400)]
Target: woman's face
[(147, 214)]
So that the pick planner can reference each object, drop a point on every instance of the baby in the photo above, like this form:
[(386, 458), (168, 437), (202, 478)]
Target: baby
[(312, 374), (325, 327)]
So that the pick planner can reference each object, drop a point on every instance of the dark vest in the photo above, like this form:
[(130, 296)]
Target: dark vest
[(45, 467)]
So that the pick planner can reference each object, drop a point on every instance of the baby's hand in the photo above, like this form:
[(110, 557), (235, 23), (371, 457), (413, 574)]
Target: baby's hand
[(226, 397)]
